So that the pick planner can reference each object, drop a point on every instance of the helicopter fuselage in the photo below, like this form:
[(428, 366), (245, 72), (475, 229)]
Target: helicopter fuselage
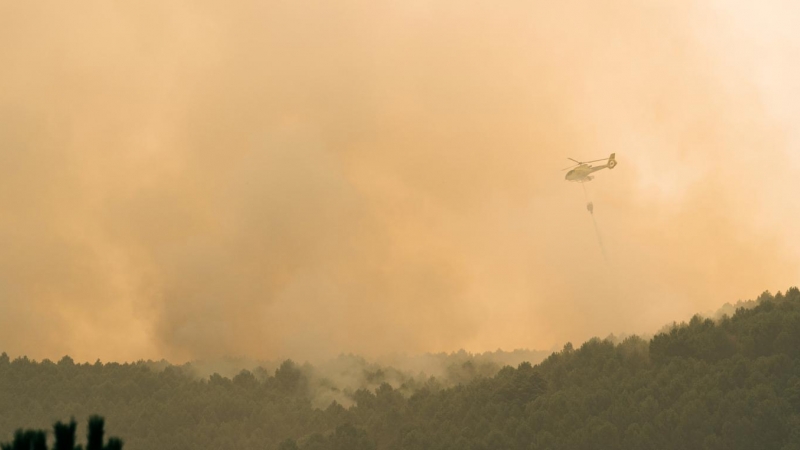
[(582, 173)]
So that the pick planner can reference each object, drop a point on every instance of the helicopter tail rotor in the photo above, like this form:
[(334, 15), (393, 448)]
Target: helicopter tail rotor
[(612, 162)]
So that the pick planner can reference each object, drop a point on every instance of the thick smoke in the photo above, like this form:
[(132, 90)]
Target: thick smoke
[(298, 179)]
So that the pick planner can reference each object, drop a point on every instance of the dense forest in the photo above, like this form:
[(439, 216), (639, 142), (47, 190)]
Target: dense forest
[(731, 383)]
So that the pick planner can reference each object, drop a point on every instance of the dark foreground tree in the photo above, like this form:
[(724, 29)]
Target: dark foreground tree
[(27, 440), (64, 434)]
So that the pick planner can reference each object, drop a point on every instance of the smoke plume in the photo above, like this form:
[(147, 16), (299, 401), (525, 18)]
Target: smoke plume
[(298, 179)]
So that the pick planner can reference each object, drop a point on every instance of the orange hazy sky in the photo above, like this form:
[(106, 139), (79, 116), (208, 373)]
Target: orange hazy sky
[(196, 179)]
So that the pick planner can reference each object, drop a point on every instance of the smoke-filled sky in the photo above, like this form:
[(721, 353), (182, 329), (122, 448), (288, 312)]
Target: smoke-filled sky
[(194, 179)]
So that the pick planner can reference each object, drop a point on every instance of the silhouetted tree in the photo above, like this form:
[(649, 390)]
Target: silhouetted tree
[(94, 438), (27, 440), (65, 435)]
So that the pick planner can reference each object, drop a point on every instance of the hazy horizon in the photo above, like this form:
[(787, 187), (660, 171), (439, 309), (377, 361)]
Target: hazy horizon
[(194, 180)]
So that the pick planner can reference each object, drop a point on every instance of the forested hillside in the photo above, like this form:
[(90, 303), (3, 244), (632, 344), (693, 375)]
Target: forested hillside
[(729, 384)]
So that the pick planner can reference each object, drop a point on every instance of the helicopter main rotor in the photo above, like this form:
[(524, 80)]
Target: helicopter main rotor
[(578, 163)]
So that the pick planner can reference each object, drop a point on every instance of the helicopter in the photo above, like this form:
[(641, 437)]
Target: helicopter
[(582, 171)]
